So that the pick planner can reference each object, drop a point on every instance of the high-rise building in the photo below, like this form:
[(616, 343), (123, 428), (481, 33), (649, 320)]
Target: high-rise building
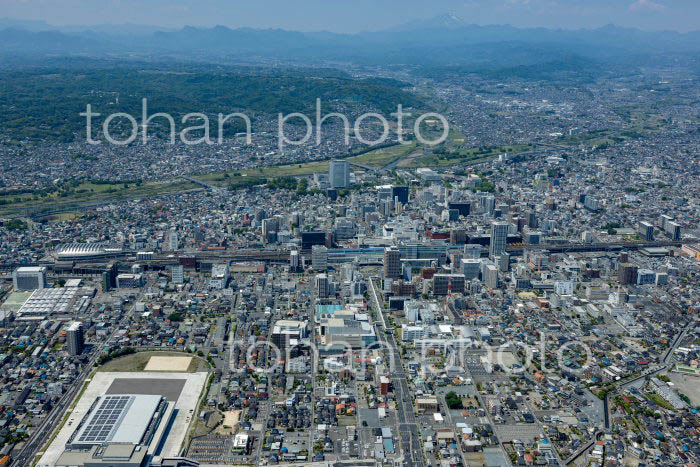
[(322, 286), (627, 274), (444, 284), (339, 174), (294, 261), (471, 268), (392, 263), (532, 219), (490, 276), (499, 238), (309, 239), (319, 258), (29, 278), (463, 207), (673, 230), (400, 194), (173, 243), (75, 338), (177, 273), (646, 231)]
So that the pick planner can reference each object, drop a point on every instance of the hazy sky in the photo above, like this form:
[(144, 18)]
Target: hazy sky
[(358, 15)]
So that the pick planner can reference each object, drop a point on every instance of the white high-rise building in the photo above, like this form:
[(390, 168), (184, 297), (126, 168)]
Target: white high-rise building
[(178, 274), (339, 174), (173, 242), (319, 258), (294, 261), (499, 237)]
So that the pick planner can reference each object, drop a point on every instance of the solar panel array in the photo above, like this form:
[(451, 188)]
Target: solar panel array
[(104, 420)]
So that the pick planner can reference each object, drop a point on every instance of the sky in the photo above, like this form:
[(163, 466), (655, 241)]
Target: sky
[(349, 16)]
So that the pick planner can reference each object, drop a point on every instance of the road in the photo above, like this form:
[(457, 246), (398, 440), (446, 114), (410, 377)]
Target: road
[(407, 425)]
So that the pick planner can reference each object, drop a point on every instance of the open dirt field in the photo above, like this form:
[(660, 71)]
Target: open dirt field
[(230, 423), (168, 363)]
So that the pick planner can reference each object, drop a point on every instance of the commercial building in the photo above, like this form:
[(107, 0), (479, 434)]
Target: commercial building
[(295, 261), (339, 174), (309, 239), (286, 333), (499, 238), (392, 263), (444, 284), (470, 268), (129, 281), (428, 175), (29, 278), (119, 431), (322, 286), (646, 277), (347, 332), (627, 274), (47, 302), (219, 276), (400, 194)]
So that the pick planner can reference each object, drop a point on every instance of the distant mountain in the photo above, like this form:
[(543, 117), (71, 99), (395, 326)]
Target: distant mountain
[(19, 41), (27, 25), (445, 40), (445, 21)]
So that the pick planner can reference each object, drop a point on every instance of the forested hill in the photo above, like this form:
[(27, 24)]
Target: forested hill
[(46, 102)]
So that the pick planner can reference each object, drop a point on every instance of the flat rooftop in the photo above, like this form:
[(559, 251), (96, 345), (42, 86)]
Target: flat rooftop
[(118, 419), (184, 389), (170, 389)]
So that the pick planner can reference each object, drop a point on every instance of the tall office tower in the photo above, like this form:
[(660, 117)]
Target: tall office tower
[(319, 258), (29, 278), (400, 192), (322, 285), (627, 274), (173, 243), (499, 236), (532, 219), (294, 261), (177, 274), (392, 263), (75, 338), (339, 174)]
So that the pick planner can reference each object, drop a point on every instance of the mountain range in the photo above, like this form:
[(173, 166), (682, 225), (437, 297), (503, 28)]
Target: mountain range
[(443, 40)]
